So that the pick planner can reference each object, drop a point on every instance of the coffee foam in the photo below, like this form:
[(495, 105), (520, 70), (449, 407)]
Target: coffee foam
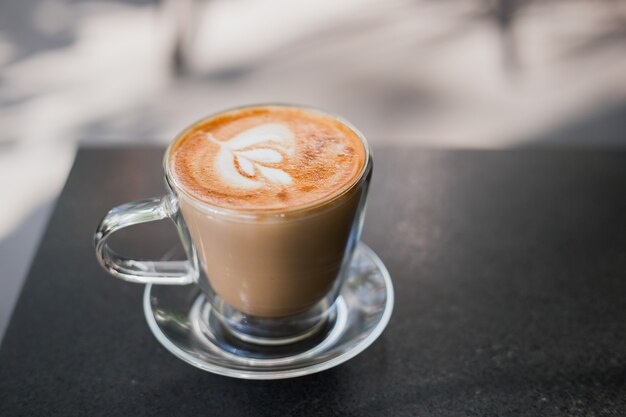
[(266, 158)]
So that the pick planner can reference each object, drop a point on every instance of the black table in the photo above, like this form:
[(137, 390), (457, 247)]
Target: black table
[(510, 277)]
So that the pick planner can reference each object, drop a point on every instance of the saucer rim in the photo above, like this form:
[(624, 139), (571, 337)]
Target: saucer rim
[(280, 374)]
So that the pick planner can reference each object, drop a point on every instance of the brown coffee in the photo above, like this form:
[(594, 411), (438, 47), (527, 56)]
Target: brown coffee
[(289, 181), (267, 158)]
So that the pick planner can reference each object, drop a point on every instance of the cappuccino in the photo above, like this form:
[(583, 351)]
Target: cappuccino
[(267, 158), (271, 196)]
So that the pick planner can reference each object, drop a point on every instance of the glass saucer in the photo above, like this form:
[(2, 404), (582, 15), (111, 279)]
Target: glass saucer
[(180, 318)]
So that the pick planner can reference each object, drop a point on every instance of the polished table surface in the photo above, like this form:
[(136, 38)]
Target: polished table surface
[(510, 276)]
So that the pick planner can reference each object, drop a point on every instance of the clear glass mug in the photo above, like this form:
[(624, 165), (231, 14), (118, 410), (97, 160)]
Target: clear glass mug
[(271, 277)]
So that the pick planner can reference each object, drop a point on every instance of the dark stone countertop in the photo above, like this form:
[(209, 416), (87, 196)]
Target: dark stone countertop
[(510, 277)]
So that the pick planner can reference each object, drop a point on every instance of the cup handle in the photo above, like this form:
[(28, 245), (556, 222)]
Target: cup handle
[(143, 272)]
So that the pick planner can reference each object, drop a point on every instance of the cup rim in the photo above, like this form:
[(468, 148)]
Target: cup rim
[(279, 212)]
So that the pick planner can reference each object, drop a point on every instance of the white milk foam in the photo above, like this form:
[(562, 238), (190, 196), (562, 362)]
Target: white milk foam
[(240, 160)]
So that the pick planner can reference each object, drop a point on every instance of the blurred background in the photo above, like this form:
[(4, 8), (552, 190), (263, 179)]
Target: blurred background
[(448, 73)]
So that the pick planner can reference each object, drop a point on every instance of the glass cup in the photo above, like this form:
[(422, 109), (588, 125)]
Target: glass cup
[(270, 277)]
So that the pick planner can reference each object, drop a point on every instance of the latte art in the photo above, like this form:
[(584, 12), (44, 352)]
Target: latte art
[(266, 158), (242, 160)]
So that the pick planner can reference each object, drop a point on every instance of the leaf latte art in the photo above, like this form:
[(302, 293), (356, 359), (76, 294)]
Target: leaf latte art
[(271, 157), (240, 160)]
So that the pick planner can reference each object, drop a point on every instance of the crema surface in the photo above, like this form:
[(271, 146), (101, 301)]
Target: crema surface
[(266, 158)]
